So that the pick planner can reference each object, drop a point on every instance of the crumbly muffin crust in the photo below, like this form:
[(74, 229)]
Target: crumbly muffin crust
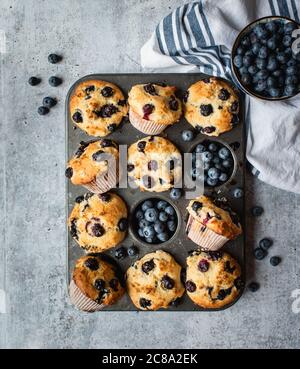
[(97, 107), (211, 106), (154, 281), (98, 222)]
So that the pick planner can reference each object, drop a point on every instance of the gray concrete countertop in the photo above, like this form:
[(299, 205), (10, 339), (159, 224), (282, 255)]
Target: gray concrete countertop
[(106, 36)]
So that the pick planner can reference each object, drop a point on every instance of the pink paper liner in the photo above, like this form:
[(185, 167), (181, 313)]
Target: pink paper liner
[(103, 183), (204, 237), (146, 126), (81, 301)]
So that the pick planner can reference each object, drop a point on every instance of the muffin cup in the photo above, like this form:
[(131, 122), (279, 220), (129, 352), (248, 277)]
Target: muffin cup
[(204, 237), (104, 182), (146, 126), (81, 301)]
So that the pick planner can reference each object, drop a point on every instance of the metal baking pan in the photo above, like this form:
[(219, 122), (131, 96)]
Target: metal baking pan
[(127, 134)]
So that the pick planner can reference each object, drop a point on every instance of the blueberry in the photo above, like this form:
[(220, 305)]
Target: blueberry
[(190, 286), (175, 193), (42, 110), (263, 52), (290, 90), (212, 147), (246, 79), (121, 253), (249, 53), (224, 153), (291, 80), (275, 260), (132, 250), (112, 127), (216, 160), (260, 31), (272, 64), (281, 57), (99, 284), (292, 71), (290, 27), (171, 225), (291, 63), (223, 177), (148, 266), (227, 163), (163, 216), (277, 73), (253, 69), (161, 205), (262, 74), (163, 237), (257, 211), (212, 182), (238, 193), (49, 102), (245, 42), (141, 232), (259, 253), (151, 215), (143, 223), (271, 26), (139, 215), (271, 82), (213, 173), (170, 210), (207, 156), (187, 135), (123, 224), (261, 63), (240, 50), (55, 81), (150, 240), (287, 40), (149, 231), (253, 286), (265, 244), (274, 92), (200, 148), (206, 109), (272, 43), (144, 303), (238, 61), (253, 38), (247, 60), (69, 172), (243, 70), (54, 58), (33, 81), (255, 48), (159, 227), (260, 86), (147, 205), (92, 264)]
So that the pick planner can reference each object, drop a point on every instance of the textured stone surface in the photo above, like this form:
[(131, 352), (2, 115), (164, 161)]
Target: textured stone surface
[(105, 36)]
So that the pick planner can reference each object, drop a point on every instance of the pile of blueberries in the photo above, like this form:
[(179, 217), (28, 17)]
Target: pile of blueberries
[(212, 162), (155, 221), (265, 61)]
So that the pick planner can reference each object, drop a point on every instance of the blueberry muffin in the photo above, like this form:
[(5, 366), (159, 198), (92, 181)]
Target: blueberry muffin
[(98, 222), (210, 224), (95, 165), (97, 107), (154, 164), (213, 279), (211, 106), (94, 284), (153, 107), (153, 282)]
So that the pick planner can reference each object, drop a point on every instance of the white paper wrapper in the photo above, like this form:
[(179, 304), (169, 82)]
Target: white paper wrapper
[(146, 126), (204, 237), (81, 301), (103, 183)]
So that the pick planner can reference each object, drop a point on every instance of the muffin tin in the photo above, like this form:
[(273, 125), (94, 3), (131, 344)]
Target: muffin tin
[(179, 245)]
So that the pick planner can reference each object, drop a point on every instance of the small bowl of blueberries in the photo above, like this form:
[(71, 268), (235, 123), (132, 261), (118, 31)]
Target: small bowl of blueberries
[(213, 163), (263, 59), (154, 221)]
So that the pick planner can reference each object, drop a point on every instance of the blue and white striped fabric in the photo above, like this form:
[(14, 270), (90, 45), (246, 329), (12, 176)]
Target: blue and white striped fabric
[(198, 37)]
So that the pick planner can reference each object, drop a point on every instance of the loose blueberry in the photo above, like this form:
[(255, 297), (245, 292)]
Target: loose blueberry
[(147, 205), (55, 81), (253, 286), (290, 27), (257, 211), (274, 92), (275, 260), (260, 31), (43, 110), (33, 81), (272, 64), (141, 232), (265, 244), (224, 153), (151, 215), (123, 225), (290, 90), (238, 193), (121, 253), (175, 193), (253, 69), (132, 251), (54, 58), (187, 135), (212, 147), (49, 102), (287, 41), (259, 253)]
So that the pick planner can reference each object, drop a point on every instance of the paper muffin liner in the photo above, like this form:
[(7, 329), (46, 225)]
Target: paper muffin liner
[(81, 301), (146, 126), (104, 182), (204, 237)]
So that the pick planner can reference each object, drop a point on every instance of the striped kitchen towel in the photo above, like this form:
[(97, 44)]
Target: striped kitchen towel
[(198, 37)]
